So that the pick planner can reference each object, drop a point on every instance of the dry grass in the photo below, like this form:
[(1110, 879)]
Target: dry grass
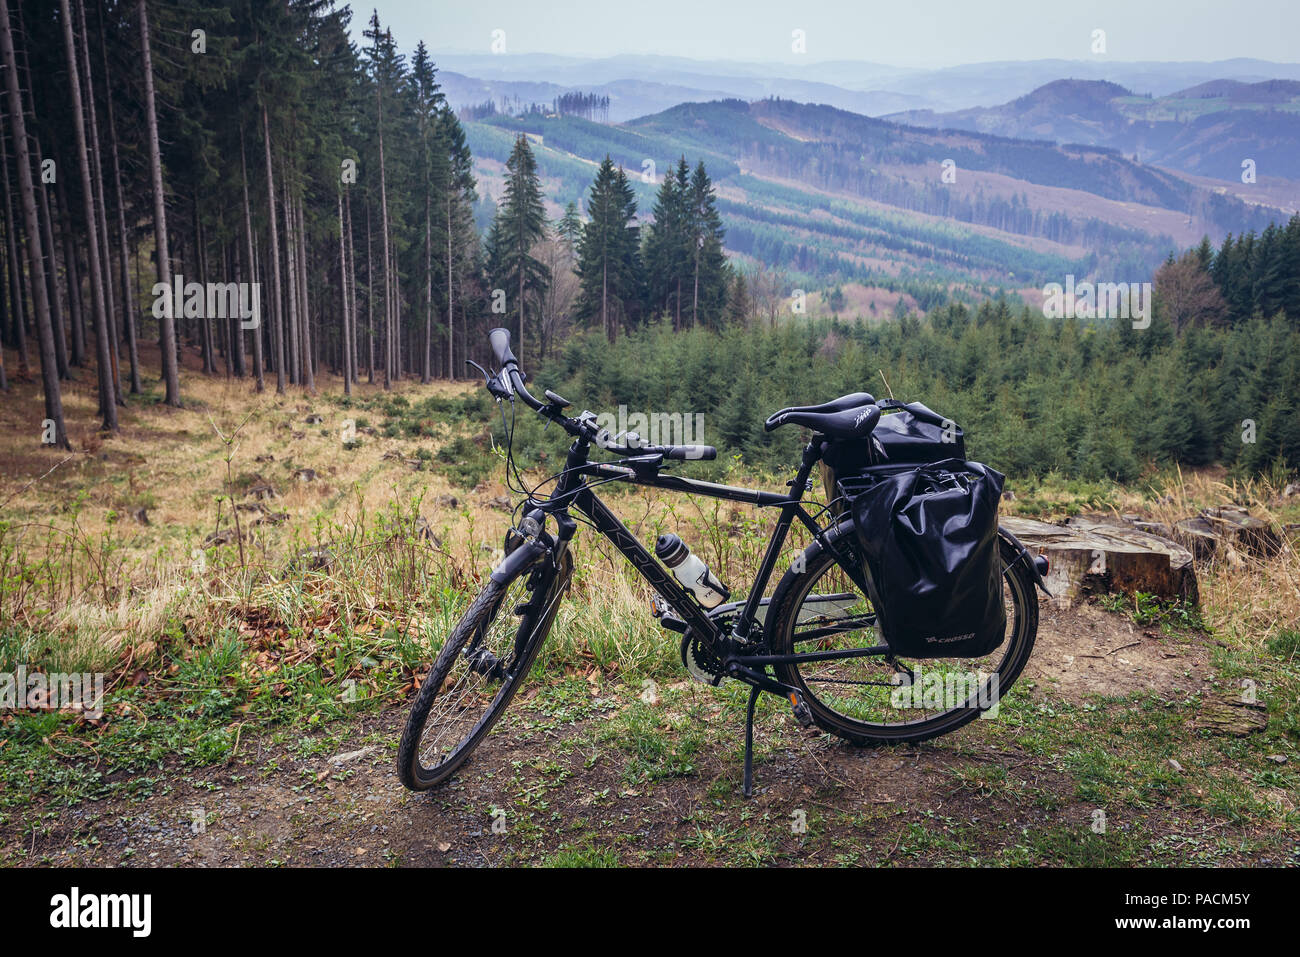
[(102, 590)]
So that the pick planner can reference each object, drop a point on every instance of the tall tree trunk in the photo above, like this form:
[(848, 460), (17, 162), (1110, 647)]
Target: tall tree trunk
[(309, 372), (427, 375), (129, 302), (54, 293), (695, 296), (229, 328), (167, 324), (290, 285), (27, 194), (277, 328), (19, 311), (370, 300), (103, 343), (383, 208), (343, 288), (352, 287), (101, 205), (52, 279), (72, 275), (252, 266), (451, 285)]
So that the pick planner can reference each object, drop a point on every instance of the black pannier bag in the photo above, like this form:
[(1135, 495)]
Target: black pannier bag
[(916, 434), (930, 537)]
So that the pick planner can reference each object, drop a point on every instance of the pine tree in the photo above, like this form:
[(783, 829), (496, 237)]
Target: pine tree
[(520, 224), (166, 324), (104, 364), (608, 258), (569, 228), (27, 197), (669, 254), (459, 232), (709, 292)]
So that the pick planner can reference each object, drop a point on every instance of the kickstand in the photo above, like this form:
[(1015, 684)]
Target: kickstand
[(749, 742)]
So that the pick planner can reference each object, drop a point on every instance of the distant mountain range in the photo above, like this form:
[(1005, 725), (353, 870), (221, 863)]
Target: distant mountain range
[(1207, 129), (869, 88), (835, 196)]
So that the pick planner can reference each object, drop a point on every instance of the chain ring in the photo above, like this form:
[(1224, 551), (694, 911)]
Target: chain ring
[(700, 663)]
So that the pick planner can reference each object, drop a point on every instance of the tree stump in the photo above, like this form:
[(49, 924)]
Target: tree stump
[(1197, 535), (1243, 530), (1085, 557)]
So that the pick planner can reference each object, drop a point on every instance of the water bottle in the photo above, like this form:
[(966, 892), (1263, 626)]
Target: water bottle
[(691, 571)]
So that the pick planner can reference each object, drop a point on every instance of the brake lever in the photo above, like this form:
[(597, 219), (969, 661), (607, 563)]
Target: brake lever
[(493, 382)]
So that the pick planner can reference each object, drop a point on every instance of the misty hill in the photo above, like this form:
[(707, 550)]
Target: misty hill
[(871, 88), (640, 90), (834, 195), (1206, 129)]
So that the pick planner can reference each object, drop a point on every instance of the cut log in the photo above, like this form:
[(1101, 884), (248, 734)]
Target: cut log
[(1086, 557), (1231, 716)]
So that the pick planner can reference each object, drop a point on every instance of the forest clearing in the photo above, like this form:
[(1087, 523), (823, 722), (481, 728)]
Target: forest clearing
[(254, 700)]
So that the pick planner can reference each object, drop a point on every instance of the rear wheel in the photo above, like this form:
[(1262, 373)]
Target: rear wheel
[(870, 699), (477, 672)]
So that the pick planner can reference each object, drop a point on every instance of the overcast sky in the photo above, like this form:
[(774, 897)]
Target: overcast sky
[(897, 32)]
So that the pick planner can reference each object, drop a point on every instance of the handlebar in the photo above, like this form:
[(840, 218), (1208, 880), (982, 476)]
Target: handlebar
[(512, 379), (500, 340)]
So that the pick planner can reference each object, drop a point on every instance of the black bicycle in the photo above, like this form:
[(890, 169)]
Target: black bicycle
[(814, 642)]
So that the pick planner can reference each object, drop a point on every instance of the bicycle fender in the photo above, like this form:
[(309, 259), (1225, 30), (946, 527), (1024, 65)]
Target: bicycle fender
[(524, 556), (1025, 557)]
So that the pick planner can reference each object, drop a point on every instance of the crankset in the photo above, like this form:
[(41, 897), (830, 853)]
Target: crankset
[(701, 663)]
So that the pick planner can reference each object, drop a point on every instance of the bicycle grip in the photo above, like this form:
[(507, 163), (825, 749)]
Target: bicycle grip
[(500, 341), (693, 452)]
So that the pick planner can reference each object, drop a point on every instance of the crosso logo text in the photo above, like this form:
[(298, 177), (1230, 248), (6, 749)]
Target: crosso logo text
[(945, 690), (74, 910), (214, 300), (640, 429), (56, 691), (1103, 300)]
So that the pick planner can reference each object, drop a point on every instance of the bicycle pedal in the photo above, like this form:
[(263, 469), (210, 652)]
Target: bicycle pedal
[(802, 713)]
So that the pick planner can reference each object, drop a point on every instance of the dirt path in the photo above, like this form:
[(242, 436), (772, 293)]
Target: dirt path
[(563, 781)]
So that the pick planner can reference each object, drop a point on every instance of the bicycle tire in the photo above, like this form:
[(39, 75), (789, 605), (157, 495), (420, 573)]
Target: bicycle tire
[(482, 614), (795, 586)]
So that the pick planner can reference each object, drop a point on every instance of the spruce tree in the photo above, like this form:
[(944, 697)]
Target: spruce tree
[(608, 259), (709, 292), (520, 224)]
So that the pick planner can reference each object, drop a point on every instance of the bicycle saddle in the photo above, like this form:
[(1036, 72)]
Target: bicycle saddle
[(850, 416)]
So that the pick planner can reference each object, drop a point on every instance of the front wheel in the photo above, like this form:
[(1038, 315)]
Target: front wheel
[(477, 672), (870, 699)]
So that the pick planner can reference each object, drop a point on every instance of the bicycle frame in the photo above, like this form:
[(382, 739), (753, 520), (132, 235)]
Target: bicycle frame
[(573, 490)]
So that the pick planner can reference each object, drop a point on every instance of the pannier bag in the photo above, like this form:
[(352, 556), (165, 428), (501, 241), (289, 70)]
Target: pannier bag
[(930, 537), (916, 434)]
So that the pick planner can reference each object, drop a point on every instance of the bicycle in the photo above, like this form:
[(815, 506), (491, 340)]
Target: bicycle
[(813, 642)]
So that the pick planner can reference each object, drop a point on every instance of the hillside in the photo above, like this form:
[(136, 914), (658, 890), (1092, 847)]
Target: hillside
[(871, 88), (1206, 129), (831, 195)]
